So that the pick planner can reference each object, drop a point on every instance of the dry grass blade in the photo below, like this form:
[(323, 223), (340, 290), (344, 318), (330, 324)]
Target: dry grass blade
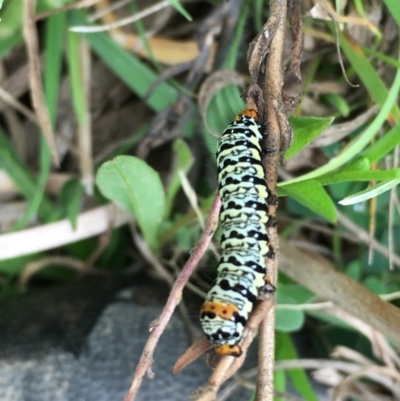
[(54, 235), (346, 293), (35, 79), (85, 127), (125, 21), (66, 261), (14, 103)]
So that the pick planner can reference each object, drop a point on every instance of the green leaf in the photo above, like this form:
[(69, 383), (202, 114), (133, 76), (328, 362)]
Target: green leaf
[(178, 7), (353, 173), (312, 195), (393, 6), (305, 130), (22, 178), (279, 384), (375, 285), (367, 73), (183, 161), (135, 186), (370, 192), (338, 102), (287, 351), (385, 144), (361, 141), (70, 198), (130, 69), (287, 320)]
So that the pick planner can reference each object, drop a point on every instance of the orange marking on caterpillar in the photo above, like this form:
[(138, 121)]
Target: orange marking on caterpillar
[(224, 311), (225, 349), (248, 113)]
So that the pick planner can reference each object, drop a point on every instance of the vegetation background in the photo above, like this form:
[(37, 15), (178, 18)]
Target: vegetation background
[(130, 114)]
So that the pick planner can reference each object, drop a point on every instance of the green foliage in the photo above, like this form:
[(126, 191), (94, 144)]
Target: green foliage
[(285, 350), (158, 211), (305, 130), (137, 188), (70, 199), (312, 195)]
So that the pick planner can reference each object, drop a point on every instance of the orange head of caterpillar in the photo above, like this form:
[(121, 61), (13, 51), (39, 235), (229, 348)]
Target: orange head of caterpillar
[(226, 349), (248, 113)]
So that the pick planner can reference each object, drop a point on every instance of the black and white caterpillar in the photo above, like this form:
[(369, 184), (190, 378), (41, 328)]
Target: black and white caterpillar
[(242, 274)]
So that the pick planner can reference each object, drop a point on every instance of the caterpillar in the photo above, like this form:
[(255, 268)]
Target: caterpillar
[(242, 274)]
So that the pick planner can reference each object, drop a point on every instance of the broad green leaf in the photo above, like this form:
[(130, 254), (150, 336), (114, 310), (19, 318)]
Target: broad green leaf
[(370, 192), (135, 186), (298, 377), (305, 129), (312, 195), (288, 320), (374, 284), (70, 198), (183, 161), (298, 293)]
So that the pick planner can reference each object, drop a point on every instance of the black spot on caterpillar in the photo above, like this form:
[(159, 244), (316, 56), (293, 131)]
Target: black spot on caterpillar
[(242, 274)]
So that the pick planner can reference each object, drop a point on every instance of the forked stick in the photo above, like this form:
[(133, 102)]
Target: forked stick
[(158, 326)]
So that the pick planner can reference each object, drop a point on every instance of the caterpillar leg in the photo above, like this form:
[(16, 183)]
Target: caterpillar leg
[(267, 291)]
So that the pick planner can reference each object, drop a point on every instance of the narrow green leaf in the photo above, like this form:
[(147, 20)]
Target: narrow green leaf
[(393, 6), (178, 7), (54, 35), (351, 174), (70, 199), (312, 195), (370, 192), (305, 130), (367, 73), (76, 79), (359, 143), (279, 384), (10, 42), (230, 61), (338, 102), (385, 144), (183, 161), (135, 186), (132, 71), (298, 377), (21, 175)]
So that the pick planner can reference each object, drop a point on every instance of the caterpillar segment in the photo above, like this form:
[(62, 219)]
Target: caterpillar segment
[(242, 274)]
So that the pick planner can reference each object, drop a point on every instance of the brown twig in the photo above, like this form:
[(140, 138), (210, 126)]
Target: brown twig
[(174, 298), (35, 79), (272, 38)]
